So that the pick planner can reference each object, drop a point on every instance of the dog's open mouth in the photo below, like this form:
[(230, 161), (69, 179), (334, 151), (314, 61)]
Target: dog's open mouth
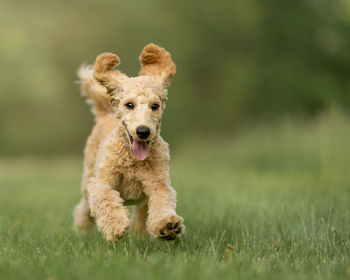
[(139, 149)]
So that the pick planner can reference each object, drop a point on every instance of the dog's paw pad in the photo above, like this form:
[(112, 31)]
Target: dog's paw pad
[(171, 230)]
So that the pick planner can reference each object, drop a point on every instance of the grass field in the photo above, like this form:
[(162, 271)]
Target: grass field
[(272, 202)]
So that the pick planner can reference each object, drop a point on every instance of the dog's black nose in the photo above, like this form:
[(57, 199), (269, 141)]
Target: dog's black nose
[(143, 132)]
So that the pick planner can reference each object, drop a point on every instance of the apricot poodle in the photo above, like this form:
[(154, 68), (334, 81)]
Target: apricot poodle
[(125, 158)]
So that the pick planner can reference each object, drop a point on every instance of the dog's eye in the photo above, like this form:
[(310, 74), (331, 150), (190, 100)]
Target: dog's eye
[(155, 107), (129, 105)]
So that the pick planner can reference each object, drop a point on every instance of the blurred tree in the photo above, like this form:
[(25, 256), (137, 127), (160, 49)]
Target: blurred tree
[(237, 61)]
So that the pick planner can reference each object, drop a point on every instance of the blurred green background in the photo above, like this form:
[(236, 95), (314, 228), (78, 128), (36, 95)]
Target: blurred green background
[(238, 62), (257, 118)]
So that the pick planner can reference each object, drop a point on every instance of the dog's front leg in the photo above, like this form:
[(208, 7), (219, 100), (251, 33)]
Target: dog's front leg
[(107, 208), (162, 221)]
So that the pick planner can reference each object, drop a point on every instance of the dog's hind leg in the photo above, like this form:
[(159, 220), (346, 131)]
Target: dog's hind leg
[(81, 215), (140, 217)]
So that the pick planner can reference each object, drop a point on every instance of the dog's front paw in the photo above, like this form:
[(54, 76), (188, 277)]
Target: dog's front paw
[(113, 228), (168, 228)]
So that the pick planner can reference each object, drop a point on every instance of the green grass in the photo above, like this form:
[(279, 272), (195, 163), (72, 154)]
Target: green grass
[(272, 202)]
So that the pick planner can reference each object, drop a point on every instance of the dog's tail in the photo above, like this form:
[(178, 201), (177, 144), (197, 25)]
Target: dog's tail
[(96, 94)]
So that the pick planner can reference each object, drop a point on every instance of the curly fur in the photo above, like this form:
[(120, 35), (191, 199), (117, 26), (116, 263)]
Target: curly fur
[(113, 176)]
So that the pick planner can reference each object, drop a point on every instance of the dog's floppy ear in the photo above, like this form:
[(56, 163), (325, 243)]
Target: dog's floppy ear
[(103, 73), (157, 63)]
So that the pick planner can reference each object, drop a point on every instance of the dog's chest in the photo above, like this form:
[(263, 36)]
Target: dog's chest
[(129, 188)]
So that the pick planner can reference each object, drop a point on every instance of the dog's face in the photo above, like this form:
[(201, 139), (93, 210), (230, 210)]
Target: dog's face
[(139, 101), (140, 108)]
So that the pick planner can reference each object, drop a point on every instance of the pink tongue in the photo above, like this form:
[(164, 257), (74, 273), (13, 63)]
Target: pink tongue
[(139, 149)]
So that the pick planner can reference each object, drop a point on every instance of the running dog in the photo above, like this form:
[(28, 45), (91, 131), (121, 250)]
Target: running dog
[(125, 158)]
